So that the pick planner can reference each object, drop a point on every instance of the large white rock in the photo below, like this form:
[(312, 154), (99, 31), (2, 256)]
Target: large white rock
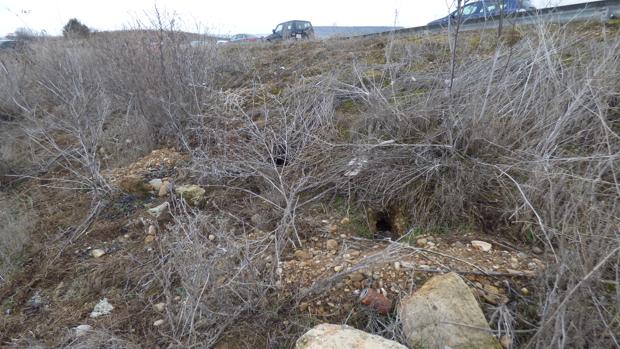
[(326, 336), (443, 313)]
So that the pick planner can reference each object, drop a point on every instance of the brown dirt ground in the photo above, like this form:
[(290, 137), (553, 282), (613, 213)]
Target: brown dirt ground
[(332, 266)]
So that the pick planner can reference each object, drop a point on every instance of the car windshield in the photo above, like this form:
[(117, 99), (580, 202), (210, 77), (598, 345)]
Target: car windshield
[(492, 7), (471, 9), (278, 28), (6, 44)]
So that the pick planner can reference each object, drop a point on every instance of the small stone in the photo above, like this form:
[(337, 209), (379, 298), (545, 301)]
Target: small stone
[(522, 255), (159, 307), (537, 250), (303, 255), (82, 330), (505, 341), (525, 291), (407, 265), (164, 189), (332, 244), (421, 242), (345, 220), (160, 210), (211, 237), (338, 268), (397, 265), (279, 271), (532, 265), (97, 252), (356, 277), (514, 260), (102, 308), (149, 238), (159, 322), (491, 294), (481, 245), (152, 230)]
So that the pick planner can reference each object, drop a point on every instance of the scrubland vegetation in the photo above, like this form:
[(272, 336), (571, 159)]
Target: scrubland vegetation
[(521, 142)]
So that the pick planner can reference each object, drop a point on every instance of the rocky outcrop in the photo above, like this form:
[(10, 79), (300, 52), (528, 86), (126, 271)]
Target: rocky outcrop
[(444, 313), (326, 336)]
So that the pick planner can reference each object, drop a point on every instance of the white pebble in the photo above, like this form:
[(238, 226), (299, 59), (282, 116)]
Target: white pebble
[(82, 330)]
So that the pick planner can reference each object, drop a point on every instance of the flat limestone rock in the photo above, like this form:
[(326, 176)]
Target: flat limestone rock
[(444, 313), (326, 336)]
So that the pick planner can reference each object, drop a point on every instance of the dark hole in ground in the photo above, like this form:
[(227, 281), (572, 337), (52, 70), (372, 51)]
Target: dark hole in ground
[(384, 227)]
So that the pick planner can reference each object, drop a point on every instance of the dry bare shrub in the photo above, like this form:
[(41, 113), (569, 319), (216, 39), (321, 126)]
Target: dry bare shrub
[(275, 155), (16, 223), (223, 277), (14, 152), (526, 142)]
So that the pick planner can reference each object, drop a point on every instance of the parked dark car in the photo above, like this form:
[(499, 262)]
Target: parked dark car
[(292, 30), (8, 44), (243, 38), (486, 9)]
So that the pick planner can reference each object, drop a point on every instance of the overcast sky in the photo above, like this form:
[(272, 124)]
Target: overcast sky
[(222, 16)]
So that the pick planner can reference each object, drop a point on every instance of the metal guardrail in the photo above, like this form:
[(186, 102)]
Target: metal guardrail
[(595, 11)]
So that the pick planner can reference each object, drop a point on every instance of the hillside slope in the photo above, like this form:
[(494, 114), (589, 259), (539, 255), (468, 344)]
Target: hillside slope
[(233, 197)]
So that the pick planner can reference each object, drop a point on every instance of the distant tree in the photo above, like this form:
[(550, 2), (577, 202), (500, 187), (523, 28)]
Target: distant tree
[(75, 28), (24, 34)]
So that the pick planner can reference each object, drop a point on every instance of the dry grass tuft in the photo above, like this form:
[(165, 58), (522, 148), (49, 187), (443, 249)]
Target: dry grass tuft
[(16, 223)]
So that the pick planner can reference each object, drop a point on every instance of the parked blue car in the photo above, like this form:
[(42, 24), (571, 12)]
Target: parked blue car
[(486, 9)]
